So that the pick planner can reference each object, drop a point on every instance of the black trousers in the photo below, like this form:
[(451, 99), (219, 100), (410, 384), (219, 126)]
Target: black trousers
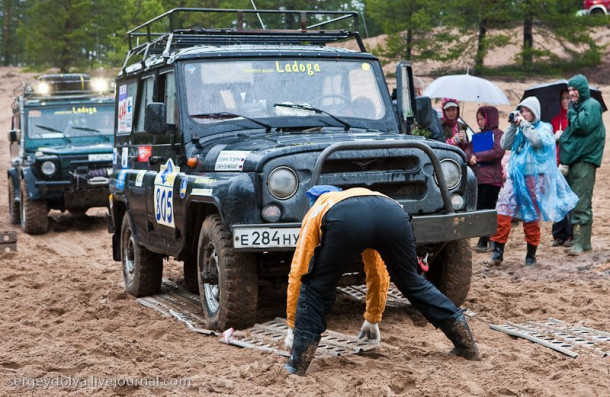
[(349, 228)]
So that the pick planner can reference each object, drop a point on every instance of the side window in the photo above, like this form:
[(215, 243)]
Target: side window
[(169, 97), (125, 106), (146, 97)]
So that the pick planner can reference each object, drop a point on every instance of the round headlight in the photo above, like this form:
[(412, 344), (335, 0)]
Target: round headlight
[(452, 173), (282, 183), (48, 168)]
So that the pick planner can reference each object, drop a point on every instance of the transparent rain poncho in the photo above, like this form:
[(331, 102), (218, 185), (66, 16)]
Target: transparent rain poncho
[(535, 189)]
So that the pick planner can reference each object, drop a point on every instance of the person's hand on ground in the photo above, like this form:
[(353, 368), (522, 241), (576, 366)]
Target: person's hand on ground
[(369, 333), (288, 340)]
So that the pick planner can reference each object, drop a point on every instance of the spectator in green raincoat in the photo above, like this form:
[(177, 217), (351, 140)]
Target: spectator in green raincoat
[(581, 147)]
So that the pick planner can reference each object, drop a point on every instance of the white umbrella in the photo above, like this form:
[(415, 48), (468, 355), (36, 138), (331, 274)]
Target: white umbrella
[(466, 88)]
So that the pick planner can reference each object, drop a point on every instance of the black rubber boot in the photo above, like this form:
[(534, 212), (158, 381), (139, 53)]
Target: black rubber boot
[(482, 245), (304, 347), (498, 255), (457, 330), (530, 257)]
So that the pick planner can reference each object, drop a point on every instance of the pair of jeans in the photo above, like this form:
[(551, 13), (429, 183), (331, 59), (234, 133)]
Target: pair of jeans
[(350, 227)]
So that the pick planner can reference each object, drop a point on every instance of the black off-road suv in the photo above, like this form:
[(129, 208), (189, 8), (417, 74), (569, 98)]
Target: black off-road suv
[(61, 148), (220, 131)]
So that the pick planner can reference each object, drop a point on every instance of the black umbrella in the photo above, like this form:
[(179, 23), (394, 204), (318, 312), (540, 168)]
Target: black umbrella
[(550, 102)]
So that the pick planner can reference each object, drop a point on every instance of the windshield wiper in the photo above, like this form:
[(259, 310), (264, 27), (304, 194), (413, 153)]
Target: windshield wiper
[(51, 129), (97, 132), (309, 107), (44, 127), (227, 115)]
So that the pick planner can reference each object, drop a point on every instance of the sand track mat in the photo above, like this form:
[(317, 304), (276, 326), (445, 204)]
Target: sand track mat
[(175, 301), (562, 337)]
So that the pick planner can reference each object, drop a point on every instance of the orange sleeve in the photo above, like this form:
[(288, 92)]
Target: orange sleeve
[(377, 282), (309, 239)]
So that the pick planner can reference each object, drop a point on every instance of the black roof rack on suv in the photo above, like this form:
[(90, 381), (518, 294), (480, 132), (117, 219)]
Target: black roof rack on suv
[(145, 41)]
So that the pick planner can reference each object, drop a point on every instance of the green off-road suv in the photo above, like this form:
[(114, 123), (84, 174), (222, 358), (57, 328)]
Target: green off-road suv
[(61, 148), (221, 130)]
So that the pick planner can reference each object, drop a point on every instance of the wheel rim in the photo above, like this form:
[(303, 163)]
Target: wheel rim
[(209, 272), (129, 258)]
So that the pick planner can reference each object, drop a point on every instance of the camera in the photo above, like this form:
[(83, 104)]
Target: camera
[(512, 116)]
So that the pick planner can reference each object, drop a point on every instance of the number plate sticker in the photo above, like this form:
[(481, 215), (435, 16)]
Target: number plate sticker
[(265, 238), (100, 157)]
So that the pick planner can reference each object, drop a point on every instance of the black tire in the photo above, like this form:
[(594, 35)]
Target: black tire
[(190, 275), (34, 213), (228, 281), (14, 214), (451, 271), (142, 269)]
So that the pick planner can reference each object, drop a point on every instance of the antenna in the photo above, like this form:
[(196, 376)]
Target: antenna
[(257, 14)]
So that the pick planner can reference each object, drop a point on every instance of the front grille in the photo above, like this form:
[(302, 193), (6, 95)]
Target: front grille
[(370, 164), (397, 191)]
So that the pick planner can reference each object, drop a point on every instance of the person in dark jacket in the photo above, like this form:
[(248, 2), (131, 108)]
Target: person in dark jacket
[(487, 166), (427, 118), (581, 147), (562, 231)]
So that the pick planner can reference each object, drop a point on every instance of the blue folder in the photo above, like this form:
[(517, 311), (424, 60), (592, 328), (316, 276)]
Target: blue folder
[(482, 141)]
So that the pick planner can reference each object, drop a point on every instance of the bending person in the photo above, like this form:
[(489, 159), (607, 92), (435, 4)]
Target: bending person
[(336, 230)]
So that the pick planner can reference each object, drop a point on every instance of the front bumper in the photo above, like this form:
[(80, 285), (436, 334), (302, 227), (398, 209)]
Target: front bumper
[(429, 229)]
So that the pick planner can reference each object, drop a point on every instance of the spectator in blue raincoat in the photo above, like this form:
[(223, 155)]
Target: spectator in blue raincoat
[(535, 189)]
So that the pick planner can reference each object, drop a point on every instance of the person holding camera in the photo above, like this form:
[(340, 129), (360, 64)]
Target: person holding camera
[(581, 147), (454, 129), (534, 189)]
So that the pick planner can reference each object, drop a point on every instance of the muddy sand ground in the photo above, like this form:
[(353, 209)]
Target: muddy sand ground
[(64, 315)]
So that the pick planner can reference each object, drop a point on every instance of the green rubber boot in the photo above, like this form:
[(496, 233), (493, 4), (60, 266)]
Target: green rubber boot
[(585, 231), (577, 248)]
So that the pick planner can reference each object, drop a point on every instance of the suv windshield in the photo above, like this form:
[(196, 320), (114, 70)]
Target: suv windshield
[(344, 88), (70, 121)]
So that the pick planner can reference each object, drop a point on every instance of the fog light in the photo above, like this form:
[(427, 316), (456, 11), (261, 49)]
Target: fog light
[(271, 213), (457, 201), (48, 168)]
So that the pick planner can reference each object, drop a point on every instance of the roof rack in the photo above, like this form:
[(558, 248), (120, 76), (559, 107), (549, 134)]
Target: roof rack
[(314, 29)]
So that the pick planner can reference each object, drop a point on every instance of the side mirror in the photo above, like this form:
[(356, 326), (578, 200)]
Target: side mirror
[(154, 118), (13, 136)]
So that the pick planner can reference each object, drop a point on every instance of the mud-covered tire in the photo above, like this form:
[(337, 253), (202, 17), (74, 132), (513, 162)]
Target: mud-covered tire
[(190, 275), (228, 280), (142, 269), (451, 271), (14, 214), (33, 214)]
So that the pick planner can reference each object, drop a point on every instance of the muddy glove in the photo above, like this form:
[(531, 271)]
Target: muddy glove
[(369, 333), (563, 169), (288, 340)]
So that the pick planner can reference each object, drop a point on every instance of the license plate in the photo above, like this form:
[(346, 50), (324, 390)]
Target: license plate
[(265, 238), (100, 157)]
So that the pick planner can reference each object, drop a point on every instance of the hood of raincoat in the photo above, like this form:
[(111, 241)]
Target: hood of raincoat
[(532, 103), (581, 83), (451, 122), (492, 118), (318, 190)]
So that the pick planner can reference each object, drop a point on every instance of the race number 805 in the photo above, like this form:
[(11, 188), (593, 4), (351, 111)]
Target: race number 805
[(164, 206)]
